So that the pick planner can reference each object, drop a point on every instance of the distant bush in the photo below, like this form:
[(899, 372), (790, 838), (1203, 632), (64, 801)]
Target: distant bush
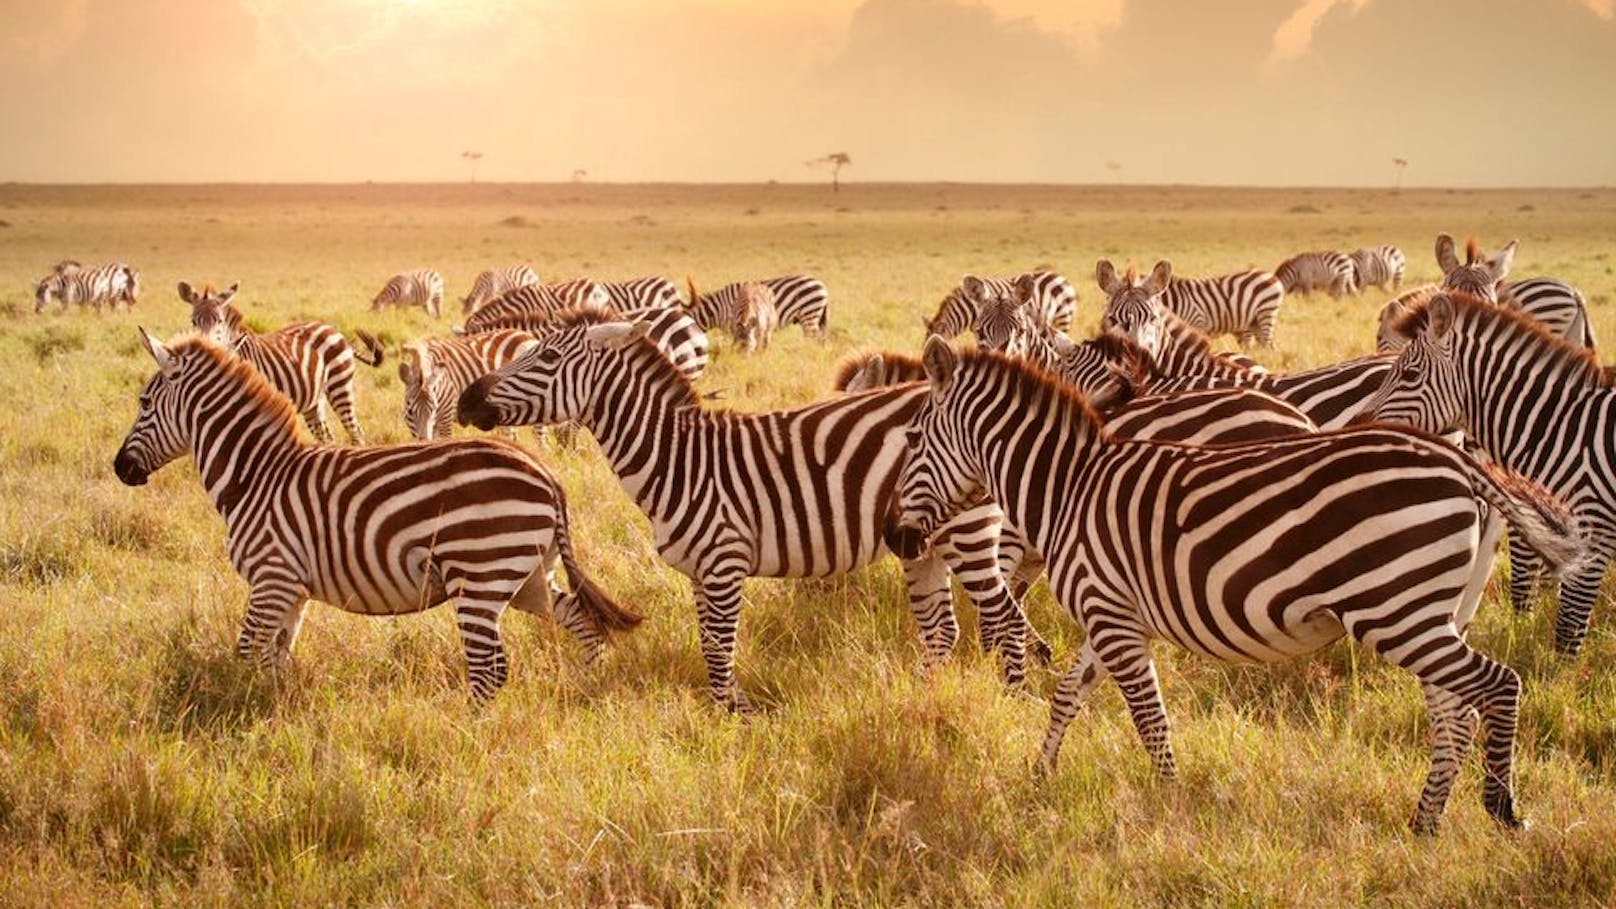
[(55, 340), (1303, 209), (515, 221)]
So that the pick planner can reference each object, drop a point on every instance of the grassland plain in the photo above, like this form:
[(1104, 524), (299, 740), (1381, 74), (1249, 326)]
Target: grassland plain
[(141, 764)]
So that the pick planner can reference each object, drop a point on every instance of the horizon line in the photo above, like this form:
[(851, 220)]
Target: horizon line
[(53, 184)]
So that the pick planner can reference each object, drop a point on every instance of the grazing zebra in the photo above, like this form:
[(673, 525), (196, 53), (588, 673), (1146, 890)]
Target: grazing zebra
[(1244, 304), (1311, 272), (535, 299), (1056, 301), (1558, 305), (673, 331), (755, 316), (1550, 421), (1377, 266), (418, 287), (793, 493), (305, 361), (1182, 358), (382, 531), (798, 300), (1246, 553), (70, 283), (494, 282), (436, 371)]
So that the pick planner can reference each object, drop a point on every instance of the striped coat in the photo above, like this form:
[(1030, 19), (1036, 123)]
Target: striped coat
[(536, 299), (1244, 304), (1552, 421), (1246, 553), (383, 531), (1556, 305), (306, 361), (421, 287), (1053, 301), (798, 300), (673, 331), (437, 370), (494, 282), (1313, 272), (70, 284)]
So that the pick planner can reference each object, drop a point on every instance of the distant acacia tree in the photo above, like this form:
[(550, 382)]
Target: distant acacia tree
[(1401, 164), (835, 161), (472, 157), (580, 175)]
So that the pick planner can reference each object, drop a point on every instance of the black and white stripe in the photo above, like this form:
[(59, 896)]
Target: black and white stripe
[(1244, 304), (673, 331), (496, 281), (421, 287), (794, 493), (1053, 301), (1377, 266), (435, 371), (798, 300), (306, 361), (544, 300), (1247, 553), (1532, 402), (70, 284), (640, 293), (1325, 271), (383, 531)]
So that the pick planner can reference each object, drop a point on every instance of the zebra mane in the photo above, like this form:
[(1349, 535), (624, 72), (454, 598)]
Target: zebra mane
[(646, 357), (893, 363), (1581, 362), (1473, 253), (261, 396), (1030, 383), (1199, 343)]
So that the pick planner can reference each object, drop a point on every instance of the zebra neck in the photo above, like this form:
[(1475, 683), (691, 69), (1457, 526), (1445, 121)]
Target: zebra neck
[(640, 433), (1524, 419), (239, 439), (1029, 468)]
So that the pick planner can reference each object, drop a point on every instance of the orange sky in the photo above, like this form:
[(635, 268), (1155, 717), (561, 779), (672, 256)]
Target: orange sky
[(1278, 92)]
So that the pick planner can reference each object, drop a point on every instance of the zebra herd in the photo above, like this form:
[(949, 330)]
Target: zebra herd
[(1167, 490)]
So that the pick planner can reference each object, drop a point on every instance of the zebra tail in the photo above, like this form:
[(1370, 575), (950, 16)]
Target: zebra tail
[(370, 353), (1542, 519), (606, 611)]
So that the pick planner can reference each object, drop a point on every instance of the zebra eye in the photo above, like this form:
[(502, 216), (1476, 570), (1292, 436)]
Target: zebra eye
[(1410, 374), (911, 437)]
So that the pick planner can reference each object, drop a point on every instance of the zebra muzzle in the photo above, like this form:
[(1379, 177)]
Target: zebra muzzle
[(473, 408), (128, 471)]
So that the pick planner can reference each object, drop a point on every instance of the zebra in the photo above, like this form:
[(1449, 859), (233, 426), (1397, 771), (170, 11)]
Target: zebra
[(383, 531), (1182, 357), (755, 316), (494, 282), (1244, 304), (1055, 307), (1554, 303), (1377, 266), (1557, 305), (418, 287), (1311, 272), (70, 283), (536, 299), (1550, 421), (305, 361), (1248, 553), (436, 371), (792, 493), (672, 330), (1387, 340), (798, 300)]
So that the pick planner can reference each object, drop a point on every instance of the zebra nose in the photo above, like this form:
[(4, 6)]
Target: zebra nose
[(127, 470), (473, 408)]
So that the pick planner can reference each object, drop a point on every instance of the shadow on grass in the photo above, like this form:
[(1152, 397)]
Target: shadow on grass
[(202, 688)]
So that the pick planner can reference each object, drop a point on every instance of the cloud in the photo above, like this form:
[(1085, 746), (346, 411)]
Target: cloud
[(1294, 36), (1604, 9), (36, 33)]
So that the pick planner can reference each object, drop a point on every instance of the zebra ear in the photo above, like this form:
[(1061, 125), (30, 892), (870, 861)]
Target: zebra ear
[(1159, 277), (1106, 274), (1500, 262), (1445, 257), (974, 289), (187, 293), (1439, 316), (941, 362), (165, 360), (615, 335), (228, 292), (864, 378)]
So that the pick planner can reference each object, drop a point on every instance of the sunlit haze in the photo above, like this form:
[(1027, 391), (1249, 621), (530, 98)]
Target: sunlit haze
[(1270, 92)]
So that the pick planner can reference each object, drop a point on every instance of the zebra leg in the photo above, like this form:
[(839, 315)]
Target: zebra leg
[(1453, 727), (274, 616), (933, 606), (542, 596), (478, 620), (969, 545), (1441, 659), (1128, 661), (341, 397), (1525, 572), (1020, 565), (1070, 694), (718, 616), (1578, 593), (317, 424)]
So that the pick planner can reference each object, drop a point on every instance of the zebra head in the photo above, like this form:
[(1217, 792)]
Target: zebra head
[(161, 430), (1134, 307), (48, 287), (1001, 323), (552, 382), (940, 474), (1479, 275), (1425, 388), (755, 317), (423, 389), (211, 313)]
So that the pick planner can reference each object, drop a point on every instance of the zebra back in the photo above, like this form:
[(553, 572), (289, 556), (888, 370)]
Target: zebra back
[(640, 293), (495, 281), (1244, 304), (421, 287), (1377, 266), (1311, 272)]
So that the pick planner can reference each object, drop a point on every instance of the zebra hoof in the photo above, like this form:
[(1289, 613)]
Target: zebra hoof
[(1425, 825), (1041, 652)]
